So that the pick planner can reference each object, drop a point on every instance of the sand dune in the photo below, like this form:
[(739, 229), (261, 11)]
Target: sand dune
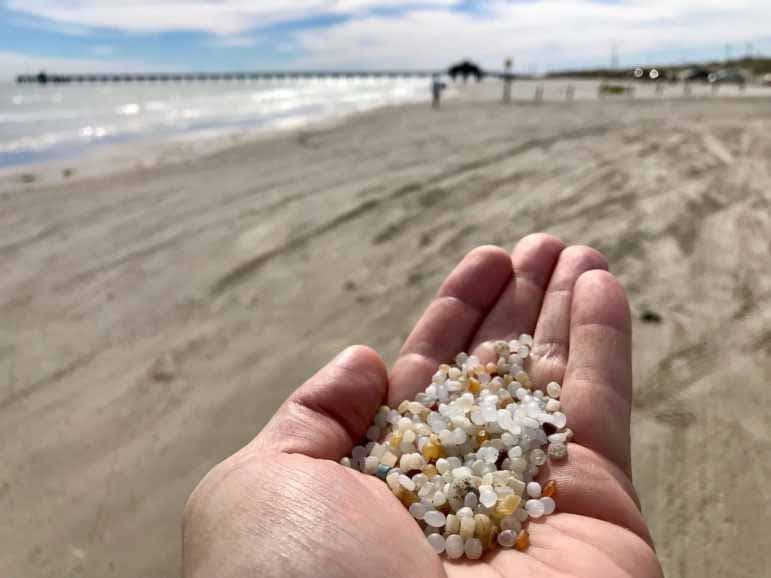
[(152, 319)]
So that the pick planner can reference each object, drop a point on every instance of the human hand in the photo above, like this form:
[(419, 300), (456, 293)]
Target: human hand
[(283, 506)]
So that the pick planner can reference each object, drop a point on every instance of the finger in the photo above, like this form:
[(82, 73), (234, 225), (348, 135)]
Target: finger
[(597, 393), (549, 355), (448, 323), (331, 411), (589, 484), (516, 312)]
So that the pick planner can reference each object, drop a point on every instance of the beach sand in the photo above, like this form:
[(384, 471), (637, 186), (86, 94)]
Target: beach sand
[(152, 318)]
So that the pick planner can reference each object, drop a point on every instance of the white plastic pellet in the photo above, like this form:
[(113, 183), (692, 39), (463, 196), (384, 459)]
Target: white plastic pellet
[(461, 473), (534, 490), (404, 424), (559, 420), (549, 505), (434, 518), (511, 523), (488, 498), (557, 451), (406, 482), (507, 539), (454, 546), (437, 542), (370, 464), (439, 500), (473, 548), (539, 457), (535, 508), (553, 390)]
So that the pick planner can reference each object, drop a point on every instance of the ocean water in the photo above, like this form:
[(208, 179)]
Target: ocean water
[(39, 123)]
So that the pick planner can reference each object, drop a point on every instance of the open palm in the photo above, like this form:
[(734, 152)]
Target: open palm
[(283, 506)]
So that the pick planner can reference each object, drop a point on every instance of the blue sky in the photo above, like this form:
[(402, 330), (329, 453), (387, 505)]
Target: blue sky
[(131, 35)]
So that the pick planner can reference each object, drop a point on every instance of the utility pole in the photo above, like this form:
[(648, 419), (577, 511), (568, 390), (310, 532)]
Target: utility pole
[(614, 57)]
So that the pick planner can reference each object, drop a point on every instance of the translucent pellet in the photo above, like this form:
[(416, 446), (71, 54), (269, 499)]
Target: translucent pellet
[(437, 542), (534, 490), (467, 525), (473, 549), (557, 451), (539, 457), (507, 539), (488, 498), (553, 389), (535, 508), (454, 546), (511, 523), (434, 518), (439, 500), (370, 465), (418, 510), (549, 505), (452, 524), (406, 483), (559, 420)]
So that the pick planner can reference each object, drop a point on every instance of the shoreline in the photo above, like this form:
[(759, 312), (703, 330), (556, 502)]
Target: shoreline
[(160, 150)]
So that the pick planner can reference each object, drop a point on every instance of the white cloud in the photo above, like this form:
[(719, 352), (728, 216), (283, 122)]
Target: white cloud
[(235, 41), (540, 33), (547, 33), (221, 17), (13, 63)]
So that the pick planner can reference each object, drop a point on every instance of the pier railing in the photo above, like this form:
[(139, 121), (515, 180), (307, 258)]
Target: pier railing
[(44, 78)]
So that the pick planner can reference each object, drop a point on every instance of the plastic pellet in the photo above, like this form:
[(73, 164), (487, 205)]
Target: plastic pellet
[(523, 541), (467, 525), (417, 510), (549, 505), (534, 490), (452, 524), (437, 542), (454, 546), (553, 390), (473, 549), (507, 539), (434, 518), (557, 451), (550, 489), (535, 508)]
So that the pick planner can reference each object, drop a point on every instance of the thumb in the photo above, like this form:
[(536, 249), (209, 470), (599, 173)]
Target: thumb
[(331, 411)]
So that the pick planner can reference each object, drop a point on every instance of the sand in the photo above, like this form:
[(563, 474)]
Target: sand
[(152, 318)]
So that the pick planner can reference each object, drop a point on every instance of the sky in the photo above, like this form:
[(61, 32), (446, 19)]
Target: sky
[(221, 35)]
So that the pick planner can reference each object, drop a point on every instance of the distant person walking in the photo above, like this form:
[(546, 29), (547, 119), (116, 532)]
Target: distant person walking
[(508, 78), (437, 86)]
